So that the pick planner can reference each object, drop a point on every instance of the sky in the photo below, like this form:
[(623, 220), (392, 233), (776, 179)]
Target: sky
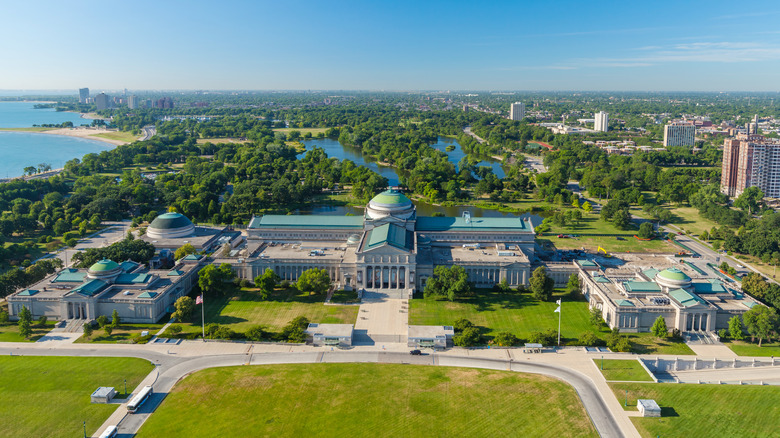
[(390, 45)]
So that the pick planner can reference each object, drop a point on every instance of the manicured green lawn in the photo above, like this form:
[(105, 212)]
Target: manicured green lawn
[(347, 400), (342, 296), (743, 348), (591, 224), (243, 309), (496, 312), (50, 396), (118, 135), (647, 343), (123, 334), (689, 410), (623, 369), (10, 332), (314, 131)]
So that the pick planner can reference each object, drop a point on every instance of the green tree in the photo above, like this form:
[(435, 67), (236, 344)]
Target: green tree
[(735, 328), (659, 328), (646, 230), (462, 324), (622, 219), (761, 321), (587, 207), (505, 339), (266, 282), (573, 287), (313, 281), (750, 200), (184, 307), (294, 330), (102, 321), (450, 282), (4, 318), (256, 333), (25, 322), (541, 284), (184, 251), (469, 337), (115, 319), (588, 339), (87, 327), (213, 279), (108, 329), (575, 202), (42, 321)]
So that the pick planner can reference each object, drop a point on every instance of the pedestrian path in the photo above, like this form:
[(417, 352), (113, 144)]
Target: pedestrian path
[(381, 319)]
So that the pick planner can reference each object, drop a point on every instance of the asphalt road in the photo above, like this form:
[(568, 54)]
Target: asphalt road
[(171, 369)]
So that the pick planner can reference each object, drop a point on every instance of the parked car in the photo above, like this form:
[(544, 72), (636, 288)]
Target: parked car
[(416, 353)]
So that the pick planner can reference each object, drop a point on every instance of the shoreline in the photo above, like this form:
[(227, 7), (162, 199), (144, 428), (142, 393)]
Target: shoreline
[(79, 132)]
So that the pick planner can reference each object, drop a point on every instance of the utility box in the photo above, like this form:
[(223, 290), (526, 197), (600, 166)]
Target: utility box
[(104, 394), (648, 408)]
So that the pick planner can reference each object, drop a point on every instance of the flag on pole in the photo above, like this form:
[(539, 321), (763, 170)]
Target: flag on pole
[(199, 299), (558, 301), (558, 310)]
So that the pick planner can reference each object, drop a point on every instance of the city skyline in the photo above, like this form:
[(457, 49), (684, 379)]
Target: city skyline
[(392, 47)]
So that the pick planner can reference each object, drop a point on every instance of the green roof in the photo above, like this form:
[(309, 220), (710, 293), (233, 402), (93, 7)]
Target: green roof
[(749, 304), (176, 273), (148, 295), (27, 293), (132, 278), (650, 273), (104, 265), (391, 197), (70, 276), (641, 286), (587, 263), (711, 287), (427, 223), (624, 303), (192, 257), (601, 279), (306, 221), (674, 274), (90, 288), (685, 298), (128, 265), (170, 221), (390, 234)]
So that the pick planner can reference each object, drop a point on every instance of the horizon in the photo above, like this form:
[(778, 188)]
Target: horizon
[(400, 46)]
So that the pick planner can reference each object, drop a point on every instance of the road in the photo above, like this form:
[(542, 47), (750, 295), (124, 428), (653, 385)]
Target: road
[(171, 368), (467, 130), (149, 132), (535, 163), (112, 232)]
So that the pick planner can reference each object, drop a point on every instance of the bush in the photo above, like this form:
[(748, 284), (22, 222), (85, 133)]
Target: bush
[(469, 337), (71, 242), (505, 339), (171, 331), (588, 339), (4, 318), (548, 337), (284, 284), (256, 333), (293, 331), (723, 334), (42, 321), (245, 283), (138, 339), (462, 324)]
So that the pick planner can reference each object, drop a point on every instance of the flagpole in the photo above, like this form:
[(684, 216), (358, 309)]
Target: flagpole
[(203, 314), (559, 321)]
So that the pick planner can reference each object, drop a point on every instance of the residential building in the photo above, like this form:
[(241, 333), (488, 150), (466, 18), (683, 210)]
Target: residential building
[(517, 111), (83, 95), (601, 122), (132, 102), (165, 103), (102, 101), (751, 160), (679, 134)]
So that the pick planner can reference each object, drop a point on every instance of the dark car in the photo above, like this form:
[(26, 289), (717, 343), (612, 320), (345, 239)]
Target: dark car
[(416, 353)]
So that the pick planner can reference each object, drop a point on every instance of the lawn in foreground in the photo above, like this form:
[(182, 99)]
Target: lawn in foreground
[(122, 334), (244, 308), (623, 369), (346, 400), (743, 348), (50, 396), (10, 332), (705, 410)]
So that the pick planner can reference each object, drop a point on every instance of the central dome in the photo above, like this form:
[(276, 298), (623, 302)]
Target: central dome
[(104, 269), (170, 226), (673, 278), (390, 203)]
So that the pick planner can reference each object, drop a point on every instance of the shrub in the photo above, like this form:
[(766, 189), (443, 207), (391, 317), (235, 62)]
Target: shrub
[(469, 337), (4, 318), (548, 337), (171, 331), (256, 333), (245, 283), (138, 339), (505, 339), (723, 333), (588, 339), (42, 321), (462, 324)]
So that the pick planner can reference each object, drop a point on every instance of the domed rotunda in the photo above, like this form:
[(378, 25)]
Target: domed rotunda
[(673, 278), (390, 203), (170, 226), (104, 270)]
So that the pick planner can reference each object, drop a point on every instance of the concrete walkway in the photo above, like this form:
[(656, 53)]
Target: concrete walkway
[(382, 319), (712, 350)]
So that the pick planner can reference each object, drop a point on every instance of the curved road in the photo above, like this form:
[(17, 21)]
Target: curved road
[(171, 369)]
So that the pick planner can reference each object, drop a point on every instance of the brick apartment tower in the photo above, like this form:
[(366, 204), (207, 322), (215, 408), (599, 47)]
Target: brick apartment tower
[(750, 160)]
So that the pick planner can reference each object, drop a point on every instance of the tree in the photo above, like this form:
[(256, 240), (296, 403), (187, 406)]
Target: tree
[(109, 329), (42, 321), (622, 219), (266, 282), (25, 322), (587, 207), (313, 281), (575, 202), (4, 318), (646, 230), (294, 330), (659, 328), (469, 337), (256, 333), (212, 279), (573, 287), (184, 307), (588, 339), (451, 282), (115, 320), (735, 328), (750, 200), (87, 327), (462, 324), (102, 321), (761, 321), (505, 339), (541, 284), (184, 251)]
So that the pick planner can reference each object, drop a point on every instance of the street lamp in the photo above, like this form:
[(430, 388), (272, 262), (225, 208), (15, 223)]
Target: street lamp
[(602, 362), (125, 387), (85, 429), (626, 403)]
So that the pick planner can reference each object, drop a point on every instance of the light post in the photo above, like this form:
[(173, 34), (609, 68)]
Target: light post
[(85, 429), (626, 403), (602, 362), (125, 387)]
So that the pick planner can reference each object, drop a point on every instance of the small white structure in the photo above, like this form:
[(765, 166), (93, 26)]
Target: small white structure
[(104, 394), (431, 336), (648, 408), (334, 335)]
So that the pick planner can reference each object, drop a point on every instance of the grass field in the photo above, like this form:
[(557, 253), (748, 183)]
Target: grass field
[(623, 369), (10, 332), (244, 309), (118, 135), (346, 400), (689, 219), (123, 334), (313, 131), (705, 410), (218, 140), (50, 396), (743, 348), (592, 224)]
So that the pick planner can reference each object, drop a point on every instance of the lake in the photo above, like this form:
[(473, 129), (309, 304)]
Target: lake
[(22, 149)]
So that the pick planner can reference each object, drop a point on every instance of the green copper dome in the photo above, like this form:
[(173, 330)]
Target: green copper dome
[(104, 265), (170, 221), (391, 197), (674, 274)]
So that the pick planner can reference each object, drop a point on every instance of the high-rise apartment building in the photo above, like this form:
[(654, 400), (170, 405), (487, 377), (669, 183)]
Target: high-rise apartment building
[(679, 134), (132, 101), (102, 101), (517, 111), (165, 102), (83, 95), (601, 121), (751, 160)]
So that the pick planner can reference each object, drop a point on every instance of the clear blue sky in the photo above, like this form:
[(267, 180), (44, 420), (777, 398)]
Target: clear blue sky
[(391, 45)]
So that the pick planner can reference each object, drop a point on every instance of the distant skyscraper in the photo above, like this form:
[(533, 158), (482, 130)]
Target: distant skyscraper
[(102, 101), (83, 95), (517, 111), (602, 122), (679, 134), (165, 103), (132, 102), (751, 160)]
